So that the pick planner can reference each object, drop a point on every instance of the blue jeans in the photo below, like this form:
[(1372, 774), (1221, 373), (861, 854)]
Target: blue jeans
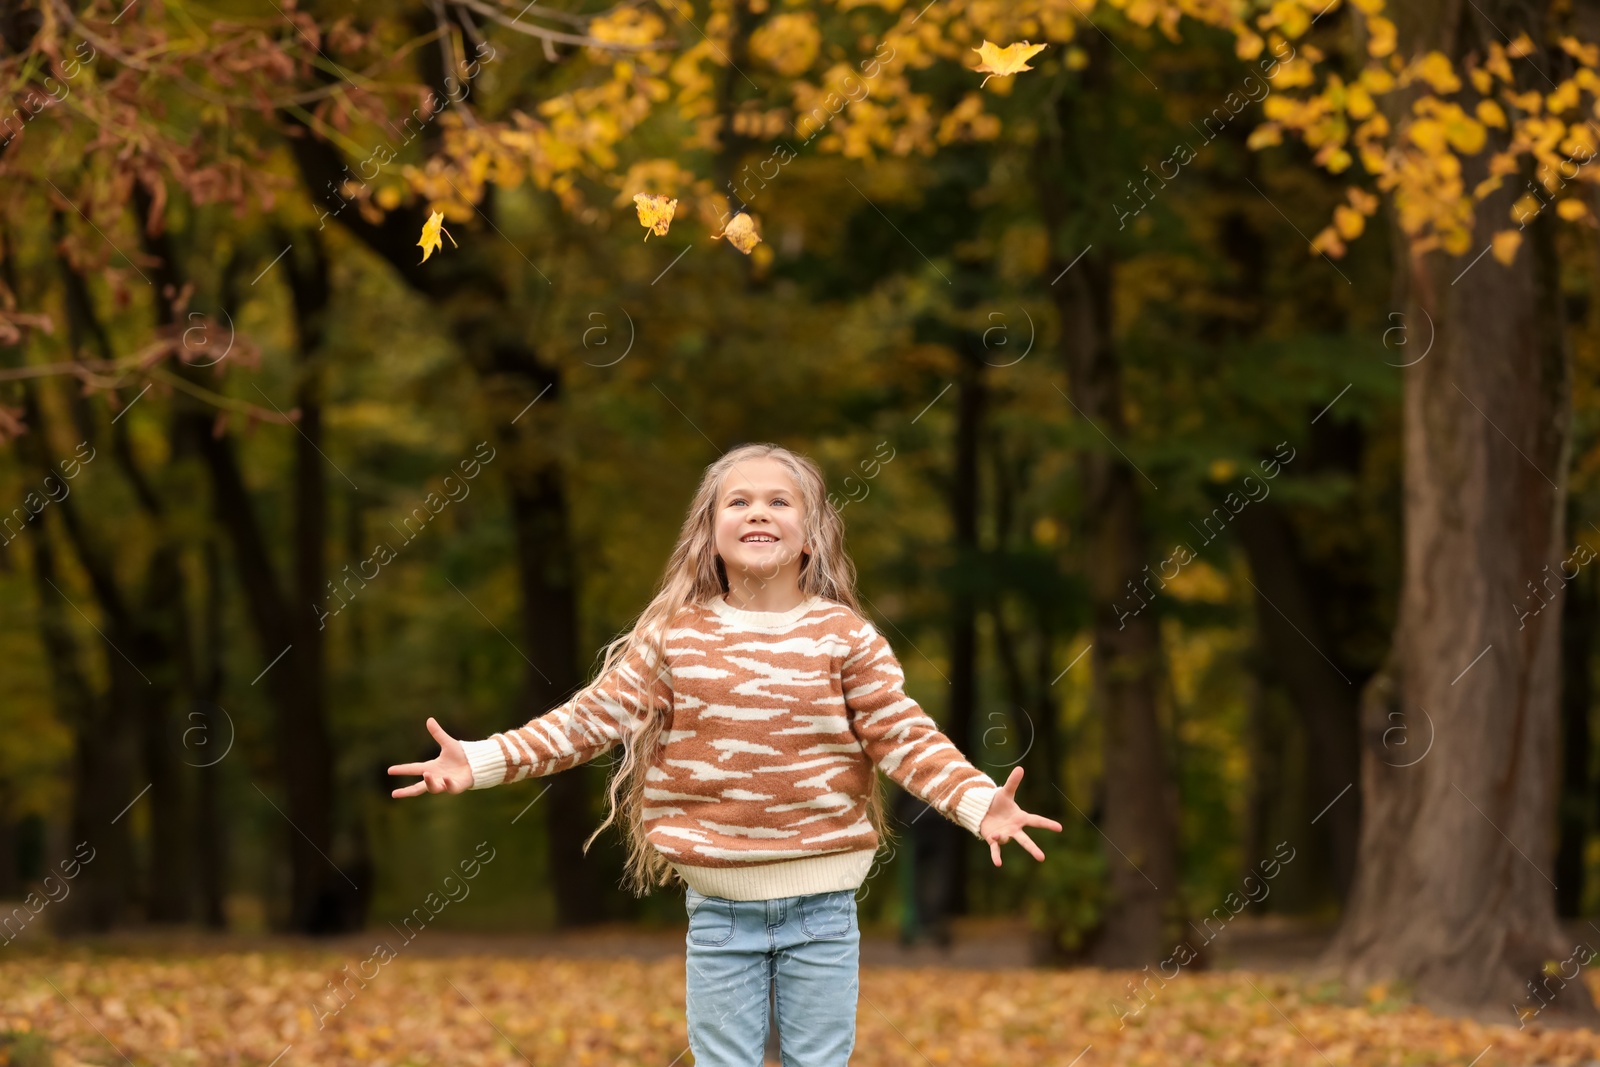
[(807, 948)]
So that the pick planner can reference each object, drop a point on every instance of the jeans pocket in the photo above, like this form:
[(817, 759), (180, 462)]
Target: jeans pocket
[(710, 920), (826, 916)]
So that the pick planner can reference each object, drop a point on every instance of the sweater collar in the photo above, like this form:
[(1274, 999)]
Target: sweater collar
[(763, 619)]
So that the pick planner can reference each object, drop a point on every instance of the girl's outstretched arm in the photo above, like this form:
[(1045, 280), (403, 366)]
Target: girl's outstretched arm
[(576, 732), (907, 745)]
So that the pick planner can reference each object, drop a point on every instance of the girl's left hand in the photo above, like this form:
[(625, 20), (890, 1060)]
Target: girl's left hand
[(1005, 820)]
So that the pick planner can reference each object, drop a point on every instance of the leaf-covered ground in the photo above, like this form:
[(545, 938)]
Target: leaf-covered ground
[(260, 1008)]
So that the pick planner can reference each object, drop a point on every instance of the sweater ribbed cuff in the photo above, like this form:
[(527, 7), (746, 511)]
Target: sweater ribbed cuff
[(974, 806), (488, 762)]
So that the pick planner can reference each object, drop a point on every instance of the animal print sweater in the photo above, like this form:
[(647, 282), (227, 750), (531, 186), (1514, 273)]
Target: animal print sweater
[(758, 788)]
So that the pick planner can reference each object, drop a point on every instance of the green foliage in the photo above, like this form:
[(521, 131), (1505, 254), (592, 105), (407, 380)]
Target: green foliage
[(1070, 893), (25, 1049)]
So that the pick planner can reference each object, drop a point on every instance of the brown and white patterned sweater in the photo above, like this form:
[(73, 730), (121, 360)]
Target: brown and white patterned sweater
[(759, 787)]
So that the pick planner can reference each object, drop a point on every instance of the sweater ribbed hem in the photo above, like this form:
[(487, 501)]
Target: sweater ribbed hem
[(828, 873), (488, 762), (765, 620)]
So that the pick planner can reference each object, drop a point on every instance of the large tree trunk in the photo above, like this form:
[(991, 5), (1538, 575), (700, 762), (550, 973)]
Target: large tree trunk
[(963, 501), (1453, 888), (1074, 179), (1140, 824)]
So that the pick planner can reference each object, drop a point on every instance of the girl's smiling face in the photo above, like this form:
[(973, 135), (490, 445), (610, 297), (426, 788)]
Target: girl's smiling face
[(759, 522)]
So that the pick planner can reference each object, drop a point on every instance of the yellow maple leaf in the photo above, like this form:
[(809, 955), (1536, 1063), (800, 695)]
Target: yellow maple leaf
[(430, 235), (1505, 245), (1011, 59), (655, 213), (741, 233)]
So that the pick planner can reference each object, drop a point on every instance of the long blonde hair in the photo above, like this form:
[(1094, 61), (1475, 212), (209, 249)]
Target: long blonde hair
[(695, 575)]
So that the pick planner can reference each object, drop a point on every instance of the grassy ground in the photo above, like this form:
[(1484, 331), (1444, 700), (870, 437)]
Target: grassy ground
[(64, 1006)]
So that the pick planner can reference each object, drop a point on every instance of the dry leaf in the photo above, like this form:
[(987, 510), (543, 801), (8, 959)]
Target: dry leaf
[(655, 213), (1505, 244), (430, 235), (237, 1007), (741, 233), (1008, 60)]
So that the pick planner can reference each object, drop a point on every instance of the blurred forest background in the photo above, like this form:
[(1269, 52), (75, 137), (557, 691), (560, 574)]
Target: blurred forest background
[(1156, 463)]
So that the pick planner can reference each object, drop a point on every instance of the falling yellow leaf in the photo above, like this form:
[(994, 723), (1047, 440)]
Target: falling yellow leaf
[(1011, 59), (655, 213), (430, 235), (1491, 114), (1505, 245), (741, 233)]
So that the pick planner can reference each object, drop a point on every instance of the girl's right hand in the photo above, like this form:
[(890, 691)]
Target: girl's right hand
[(448, 772)]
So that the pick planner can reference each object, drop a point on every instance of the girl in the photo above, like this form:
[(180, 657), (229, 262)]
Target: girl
[(753, 701)]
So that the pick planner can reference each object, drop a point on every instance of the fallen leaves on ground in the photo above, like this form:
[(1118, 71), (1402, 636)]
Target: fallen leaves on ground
[(481, 1011)]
